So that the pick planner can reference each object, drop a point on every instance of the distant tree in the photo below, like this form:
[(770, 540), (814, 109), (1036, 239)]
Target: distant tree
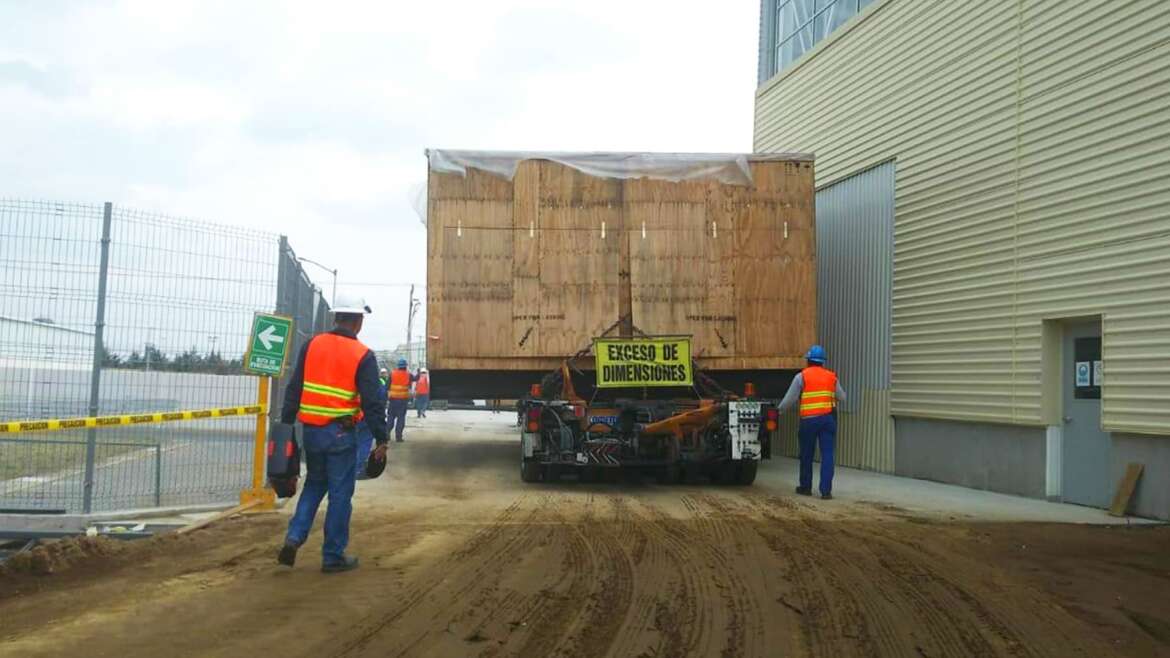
[(110, 359), (154, 359)]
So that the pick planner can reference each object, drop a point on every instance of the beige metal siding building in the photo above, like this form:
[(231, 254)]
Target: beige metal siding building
[(1031, 269)]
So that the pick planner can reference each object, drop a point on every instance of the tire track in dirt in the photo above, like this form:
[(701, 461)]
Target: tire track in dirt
[(979, 600), (594, 632), (837, 616), (476, 551), (729, 525), (694, 547)]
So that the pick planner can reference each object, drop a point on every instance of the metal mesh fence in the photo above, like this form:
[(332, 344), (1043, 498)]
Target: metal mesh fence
[(168, 334)]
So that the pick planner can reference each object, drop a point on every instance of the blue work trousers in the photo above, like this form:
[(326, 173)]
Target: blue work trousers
[(365, 443), (814, 431), (329, 460), (421, 402), (398, 416)]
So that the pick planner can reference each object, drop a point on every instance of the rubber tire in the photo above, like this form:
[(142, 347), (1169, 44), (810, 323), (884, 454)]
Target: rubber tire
[(723, 473), (531, 471), (745, 472)]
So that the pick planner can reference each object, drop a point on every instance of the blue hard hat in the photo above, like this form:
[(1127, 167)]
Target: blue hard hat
[(401, 363), (816, 354)]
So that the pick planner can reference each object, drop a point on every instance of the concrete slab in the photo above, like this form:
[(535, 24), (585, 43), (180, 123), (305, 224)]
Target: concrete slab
[(936, 499)]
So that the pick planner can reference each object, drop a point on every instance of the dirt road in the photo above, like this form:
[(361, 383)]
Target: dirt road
[(459, 558)]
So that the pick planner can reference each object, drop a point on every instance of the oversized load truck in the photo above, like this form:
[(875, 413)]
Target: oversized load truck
[(646, 309)]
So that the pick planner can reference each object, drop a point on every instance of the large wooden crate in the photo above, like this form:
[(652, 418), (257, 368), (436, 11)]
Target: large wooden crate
[(524, 272)]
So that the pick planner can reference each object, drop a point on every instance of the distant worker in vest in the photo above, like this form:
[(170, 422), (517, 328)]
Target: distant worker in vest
[(333, 388), (422, 392), (384, 389), (400, 381), (819, 392)]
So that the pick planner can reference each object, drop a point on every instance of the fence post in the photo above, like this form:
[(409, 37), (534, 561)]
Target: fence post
[(158, 475), (99, 350)]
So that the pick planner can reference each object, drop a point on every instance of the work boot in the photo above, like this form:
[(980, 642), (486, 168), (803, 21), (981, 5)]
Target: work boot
[(826, 496), (804, 491), (398, 439), (288, 555), (348, 563)]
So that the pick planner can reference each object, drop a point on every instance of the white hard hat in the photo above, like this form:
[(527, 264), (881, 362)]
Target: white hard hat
[(422, 369), (345, 303)]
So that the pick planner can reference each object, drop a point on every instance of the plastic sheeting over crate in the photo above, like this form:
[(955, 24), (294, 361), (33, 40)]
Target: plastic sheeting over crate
[(726, 168)]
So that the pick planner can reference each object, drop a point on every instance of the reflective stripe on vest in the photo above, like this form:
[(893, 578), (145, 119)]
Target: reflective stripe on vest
[(330, 386), (820, 392), (400, 384), (423, 387)]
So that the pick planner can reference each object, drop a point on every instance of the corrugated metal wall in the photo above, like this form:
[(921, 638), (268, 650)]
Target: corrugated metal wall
[(1033, 183), (855, 250)]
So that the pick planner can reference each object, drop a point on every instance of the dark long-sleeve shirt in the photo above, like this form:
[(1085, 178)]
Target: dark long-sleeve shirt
[(368, 388)]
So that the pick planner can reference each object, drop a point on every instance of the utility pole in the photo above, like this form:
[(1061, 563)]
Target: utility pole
[(414, 304)]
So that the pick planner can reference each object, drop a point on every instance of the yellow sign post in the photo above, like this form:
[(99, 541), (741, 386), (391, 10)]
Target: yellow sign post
[(263, 495), (636, 362)]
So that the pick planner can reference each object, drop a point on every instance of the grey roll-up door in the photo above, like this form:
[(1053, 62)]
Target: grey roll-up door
[(855, 272)]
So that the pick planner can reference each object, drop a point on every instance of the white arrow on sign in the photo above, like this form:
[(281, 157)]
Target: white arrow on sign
[(268, 337)]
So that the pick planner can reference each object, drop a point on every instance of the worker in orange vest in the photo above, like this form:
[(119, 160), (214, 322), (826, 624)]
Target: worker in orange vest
[(399, 393), (819, 392), (333, 390), (422, 392)]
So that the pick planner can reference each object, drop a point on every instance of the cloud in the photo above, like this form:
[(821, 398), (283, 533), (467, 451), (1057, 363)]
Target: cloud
[(309, 119), (52, 84)]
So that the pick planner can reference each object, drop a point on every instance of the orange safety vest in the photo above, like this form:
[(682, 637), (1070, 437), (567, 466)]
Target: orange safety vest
[(400, 384), (423, 386), (330, 386), (819, 396)]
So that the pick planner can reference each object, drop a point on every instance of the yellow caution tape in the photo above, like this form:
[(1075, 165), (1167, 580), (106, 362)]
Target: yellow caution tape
[(56, 424)]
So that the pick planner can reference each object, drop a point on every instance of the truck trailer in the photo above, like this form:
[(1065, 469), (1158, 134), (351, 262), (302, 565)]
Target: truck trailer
[(645, 309)]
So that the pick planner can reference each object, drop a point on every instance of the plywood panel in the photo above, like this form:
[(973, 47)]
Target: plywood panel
[(470, 269), (526, 291), (676, 245), (580, 257), (774, 262)]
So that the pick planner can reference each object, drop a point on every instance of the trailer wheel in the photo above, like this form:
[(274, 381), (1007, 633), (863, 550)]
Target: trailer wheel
[(724, 473), (745, 473), (530, 471)]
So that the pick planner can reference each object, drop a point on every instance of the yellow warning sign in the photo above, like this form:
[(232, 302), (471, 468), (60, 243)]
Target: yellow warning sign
[(58, 424), (659, 361)]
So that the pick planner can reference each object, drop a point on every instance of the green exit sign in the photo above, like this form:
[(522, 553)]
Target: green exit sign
[(268, 345)]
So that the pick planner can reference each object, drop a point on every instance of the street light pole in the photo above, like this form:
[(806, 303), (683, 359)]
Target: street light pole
[(414, 304), (333, 300)]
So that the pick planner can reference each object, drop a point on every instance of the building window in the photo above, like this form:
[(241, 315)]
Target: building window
[(793, 27)]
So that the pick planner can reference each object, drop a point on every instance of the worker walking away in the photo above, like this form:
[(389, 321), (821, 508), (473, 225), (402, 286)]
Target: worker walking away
[(422, 392), (334, 388), (819, 392), (365, 437), (384, 388), (400, 381)]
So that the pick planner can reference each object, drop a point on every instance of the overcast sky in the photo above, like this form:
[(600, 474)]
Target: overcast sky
[(310, 118)]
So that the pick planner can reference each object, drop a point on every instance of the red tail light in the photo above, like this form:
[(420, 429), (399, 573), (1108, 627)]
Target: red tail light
[(534, 419), (288, 449), (772, 418), (773, 413), (271, 448)]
